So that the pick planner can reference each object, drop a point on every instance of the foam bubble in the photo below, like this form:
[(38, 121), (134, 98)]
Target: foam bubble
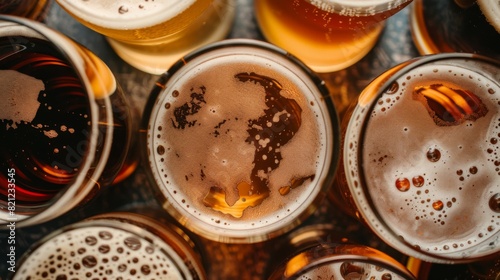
[(213, 146), (126, 14), (433, 180), (99, 252), (350, 270)]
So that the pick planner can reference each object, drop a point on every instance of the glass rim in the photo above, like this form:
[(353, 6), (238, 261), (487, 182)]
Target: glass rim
[(80, 186), (139, 225), (256, 233), (384, 231), (359, 8)]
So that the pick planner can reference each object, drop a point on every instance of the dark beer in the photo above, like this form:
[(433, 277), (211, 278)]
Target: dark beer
[(56, 126)]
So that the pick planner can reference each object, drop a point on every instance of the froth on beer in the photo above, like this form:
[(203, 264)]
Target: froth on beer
[(239, 141), (430, 164)]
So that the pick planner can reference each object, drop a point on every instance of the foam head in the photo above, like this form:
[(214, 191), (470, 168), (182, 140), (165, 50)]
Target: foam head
[(126, 14), (102, 250), (238, 141), (430, 159)]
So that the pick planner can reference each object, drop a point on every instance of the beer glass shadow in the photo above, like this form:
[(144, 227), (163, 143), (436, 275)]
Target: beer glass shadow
[(67, 129), (242, 141), (151, 35), (420, 160), (328, 35)]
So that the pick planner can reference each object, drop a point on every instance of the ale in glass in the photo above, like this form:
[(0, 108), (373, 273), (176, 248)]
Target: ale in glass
[(242, 141), (60, 120), (328, 35), (152, 35), (116, 245), (421, 158), (456, 26), (319, 252)]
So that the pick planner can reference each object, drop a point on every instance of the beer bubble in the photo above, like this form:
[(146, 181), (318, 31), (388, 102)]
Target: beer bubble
[(123, 10), (418, 181), (433, 154), (160, 150), (494, 203), (132, 243), (438, 205), (403, 184)]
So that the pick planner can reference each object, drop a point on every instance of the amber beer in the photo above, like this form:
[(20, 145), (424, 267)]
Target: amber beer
[(456, 26), (61, 116), (421, 162), (320, 251), (116, 245), (152, 35), (241, 141), (328, 35)]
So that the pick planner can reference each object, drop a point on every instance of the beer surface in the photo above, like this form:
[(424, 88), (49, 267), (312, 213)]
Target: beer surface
[(236, 143), (431, 157), (100, 252), (126, 14), (44, 120)]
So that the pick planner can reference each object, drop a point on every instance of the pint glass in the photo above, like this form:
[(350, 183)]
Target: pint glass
[(152, 35), (66, 126), (117, 245), (328, 35), (456, 26), (242, 141), (316, 253), (31, 9), (421, 163)]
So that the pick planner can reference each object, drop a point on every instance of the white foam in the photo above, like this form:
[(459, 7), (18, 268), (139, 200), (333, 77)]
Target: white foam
[(126, 14), (400, 133), (99, 252), (491, 10), (359, 7), (20, 96), (227, 159)]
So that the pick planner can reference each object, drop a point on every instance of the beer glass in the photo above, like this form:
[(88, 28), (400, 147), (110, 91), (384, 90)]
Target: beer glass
[(456, 26), (32, 9), (152, 35), (116, 245), (242, 141), (421, 158), (318, 252), (66, 127), (328, 35)]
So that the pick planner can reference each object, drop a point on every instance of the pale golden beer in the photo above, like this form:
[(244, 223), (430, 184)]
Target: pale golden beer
[(31, 9), (152, 35), (241, 140), (456, 26), (327, 35)]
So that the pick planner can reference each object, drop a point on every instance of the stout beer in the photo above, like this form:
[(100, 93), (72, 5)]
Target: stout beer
[(61, 116)]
